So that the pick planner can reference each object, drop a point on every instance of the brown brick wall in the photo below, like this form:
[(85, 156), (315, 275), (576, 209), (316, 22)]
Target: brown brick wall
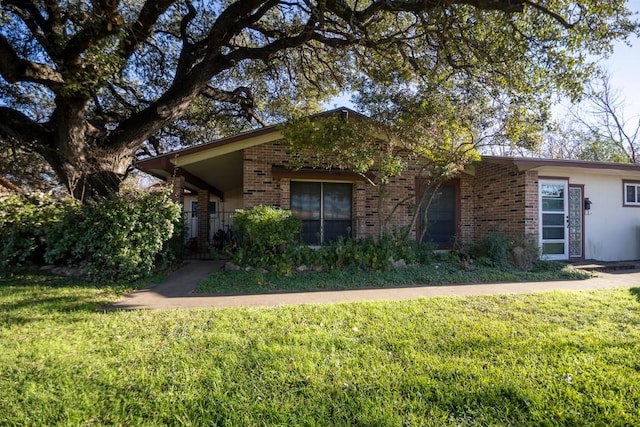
[(203, 219), (505, 200), (177, 185), (261, 188), (466, 228), (496, 198)]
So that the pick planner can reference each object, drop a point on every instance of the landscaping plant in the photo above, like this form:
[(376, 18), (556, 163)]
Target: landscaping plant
[(117, 237)]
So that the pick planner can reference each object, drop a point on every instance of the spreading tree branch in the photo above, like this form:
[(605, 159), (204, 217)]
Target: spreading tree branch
[(15, 69)]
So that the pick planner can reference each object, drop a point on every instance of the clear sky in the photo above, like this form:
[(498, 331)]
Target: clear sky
[(624, 69)]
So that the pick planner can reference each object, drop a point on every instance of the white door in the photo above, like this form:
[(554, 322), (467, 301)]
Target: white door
[(554, 216)]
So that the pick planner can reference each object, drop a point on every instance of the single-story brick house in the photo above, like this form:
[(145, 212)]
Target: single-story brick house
[(575, 209)]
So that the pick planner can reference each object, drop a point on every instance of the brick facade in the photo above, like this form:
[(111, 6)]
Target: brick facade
[(260, 188), (177, 193), (501, 198), (203, 219), (498, 197)]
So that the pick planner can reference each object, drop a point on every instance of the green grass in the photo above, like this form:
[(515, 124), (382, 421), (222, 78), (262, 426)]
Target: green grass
[(256, 281), (563, 358)]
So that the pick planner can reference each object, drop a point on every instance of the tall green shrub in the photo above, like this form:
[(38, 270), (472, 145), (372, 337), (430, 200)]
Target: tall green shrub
[(23, 222), (118, 237), (266, 235)]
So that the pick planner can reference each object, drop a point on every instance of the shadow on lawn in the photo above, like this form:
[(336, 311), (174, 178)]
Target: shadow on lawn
[(635, 292), (29, 298)]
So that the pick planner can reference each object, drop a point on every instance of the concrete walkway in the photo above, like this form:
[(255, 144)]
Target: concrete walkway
[(177, 291)]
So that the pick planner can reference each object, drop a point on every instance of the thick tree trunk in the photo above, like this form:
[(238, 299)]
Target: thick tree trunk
[(90, 173), (85, 160)]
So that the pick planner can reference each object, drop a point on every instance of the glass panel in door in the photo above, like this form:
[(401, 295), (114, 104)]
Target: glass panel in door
[(553, 219), (575, 221)]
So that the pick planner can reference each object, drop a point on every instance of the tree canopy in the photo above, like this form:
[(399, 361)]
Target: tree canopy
[(88, 85)]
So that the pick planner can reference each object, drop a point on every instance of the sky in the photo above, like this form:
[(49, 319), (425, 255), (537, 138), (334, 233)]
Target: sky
[(624, 69)]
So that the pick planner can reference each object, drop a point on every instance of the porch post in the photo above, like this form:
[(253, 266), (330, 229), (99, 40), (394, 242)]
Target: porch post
[(177, 190), (203, 220)]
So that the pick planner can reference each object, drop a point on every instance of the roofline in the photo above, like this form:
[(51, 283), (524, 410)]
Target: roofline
[(526, 163), (239, 137)]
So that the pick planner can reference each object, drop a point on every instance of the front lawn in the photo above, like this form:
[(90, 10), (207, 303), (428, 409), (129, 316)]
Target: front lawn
[(438, 273), (562, 358)]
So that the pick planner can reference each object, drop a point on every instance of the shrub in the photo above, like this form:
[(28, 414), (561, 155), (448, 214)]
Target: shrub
[(495, 249), (525, 253), (23, 222), (267, 237), (366, 254), (118, 237)]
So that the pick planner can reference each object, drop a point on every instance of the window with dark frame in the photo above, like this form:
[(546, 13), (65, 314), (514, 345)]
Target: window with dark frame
[(194, 208), (631, 193), (324, 208)]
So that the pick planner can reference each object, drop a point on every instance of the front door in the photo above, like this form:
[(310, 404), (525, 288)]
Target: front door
[(554, 219)]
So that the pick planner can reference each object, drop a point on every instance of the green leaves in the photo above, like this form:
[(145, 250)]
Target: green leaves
[(266, 234), (115, 238), (332, 142)]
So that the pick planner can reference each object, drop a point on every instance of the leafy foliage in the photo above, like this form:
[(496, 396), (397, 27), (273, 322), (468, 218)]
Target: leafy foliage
[(333, 142), (23, 223), (499, 250), (266, 233), (366, 254), (87, 85), (119, 237)]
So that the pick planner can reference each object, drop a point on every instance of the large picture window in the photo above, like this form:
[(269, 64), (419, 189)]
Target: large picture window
[(324, 208), (631, 191)]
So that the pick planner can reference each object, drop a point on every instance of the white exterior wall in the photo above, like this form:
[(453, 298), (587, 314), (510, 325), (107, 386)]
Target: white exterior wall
[(611, 230)]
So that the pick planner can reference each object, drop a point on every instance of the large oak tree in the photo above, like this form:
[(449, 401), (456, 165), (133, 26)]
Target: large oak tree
[(87, 84)]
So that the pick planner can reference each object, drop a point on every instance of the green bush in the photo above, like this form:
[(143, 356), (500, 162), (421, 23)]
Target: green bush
[(23, 223), (366, 254), (496, 249), (267, 237), (493, 249), (118, 237)]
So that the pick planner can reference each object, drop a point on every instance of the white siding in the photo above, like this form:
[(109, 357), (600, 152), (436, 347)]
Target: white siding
[(611, 231)]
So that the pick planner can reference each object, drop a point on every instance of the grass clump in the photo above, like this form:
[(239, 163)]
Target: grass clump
[(563, 358)]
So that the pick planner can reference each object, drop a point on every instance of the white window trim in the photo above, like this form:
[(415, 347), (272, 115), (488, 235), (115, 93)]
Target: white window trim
[(636, 185)]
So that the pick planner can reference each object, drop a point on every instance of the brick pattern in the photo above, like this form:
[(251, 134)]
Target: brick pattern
[(504, 199), (496, 198), (260, 188), (177, 193), (466, 228)]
